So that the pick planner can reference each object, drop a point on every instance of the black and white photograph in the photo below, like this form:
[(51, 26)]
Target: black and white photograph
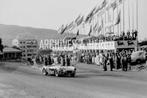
[(73, 49)]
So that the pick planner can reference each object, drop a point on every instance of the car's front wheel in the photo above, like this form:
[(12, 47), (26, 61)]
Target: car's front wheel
[(44, 72), (138, 61), (72, 75)]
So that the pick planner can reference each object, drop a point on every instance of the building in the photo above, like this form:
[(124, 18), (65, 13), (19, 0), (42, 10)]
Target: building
[(28, 46), (11, 54)]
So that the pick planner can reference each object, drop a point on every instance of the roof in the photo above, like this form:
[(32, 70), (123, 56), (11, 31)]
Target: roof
[(143, 43), (12, 50)]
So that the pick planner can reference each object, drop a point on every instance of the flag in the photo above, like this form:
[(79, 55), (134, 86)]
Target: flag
[(104, 4), (101, 26), (95, 28), (120, 1), (90, 31), (77, 19), (118, 18), (78, 33), (99, 29), (90, 15), (90, 20), (80, 21), (70, 26), (97, 10), (109, 17), (114, 5), (63, 30), (60, 29)]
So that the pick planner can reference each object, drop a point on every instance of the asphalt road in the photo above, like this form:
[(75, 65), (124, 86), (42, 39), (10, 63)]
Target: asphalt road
[(19, 81)]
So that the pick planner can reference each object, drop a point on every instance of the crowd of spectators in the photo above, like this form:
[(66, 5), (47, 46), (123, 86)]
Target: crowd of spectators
[(119, 60)]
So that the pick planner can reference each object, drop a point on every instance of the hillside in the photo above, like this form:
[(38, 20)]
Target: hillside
[(10, 32)]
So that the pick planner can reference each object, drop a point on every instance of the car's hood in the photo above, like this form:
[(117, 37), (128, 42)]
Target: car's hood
[(68, 67), (63, 67)]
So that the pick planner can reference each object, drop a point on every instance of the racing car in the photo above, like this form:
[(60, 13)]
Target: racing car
[(59, 70)]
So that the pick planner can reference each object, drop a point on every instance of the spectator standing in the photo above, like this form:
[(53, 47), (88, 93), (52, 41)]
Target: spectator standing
[(68, 61), (111, 62), (129, 61), (104, 62), (124, 63), (118, 61), (62, 61), (49, 60)]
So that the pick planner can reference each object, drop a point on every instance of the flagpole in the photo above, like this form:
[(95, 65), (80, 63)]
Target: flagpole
[(123, 16), (101, 24), (137, 14), (109, 20), (118, 24), (105, 21), (137, 20), (97, 21), (133, 15), (113, 22), (129, 14)]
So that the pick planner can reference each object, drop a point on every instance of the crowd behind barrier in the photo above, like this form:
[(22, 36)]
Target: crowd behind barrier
[(119, 60), (123, 36), (48, 60)]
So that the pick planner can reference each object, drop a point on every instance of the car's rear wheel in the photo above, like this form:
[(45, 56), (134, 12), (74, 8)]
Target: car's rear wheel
[(56, 73), (44, 72)]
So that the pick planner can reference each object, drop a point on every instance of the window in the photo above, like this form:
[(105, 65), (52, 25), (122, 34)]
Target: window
[(29, 54), (23, 55), (20, 42)]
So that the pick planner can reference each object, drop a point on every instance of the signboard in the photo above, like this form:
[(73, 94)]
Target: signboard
[(109, 45), (98, 46), (62, 48)]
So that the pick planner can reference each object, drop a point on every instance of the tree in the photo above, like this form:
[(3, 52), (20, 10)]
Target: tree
[(1, 45)]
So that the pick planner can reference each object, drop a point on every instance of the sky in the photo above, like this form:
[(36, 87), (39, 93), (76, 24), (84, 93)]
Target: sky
[(51, 14)]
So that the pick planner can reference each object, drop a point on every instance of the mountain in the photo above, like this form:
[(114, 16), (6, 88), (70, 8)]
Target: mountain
[(10, 32)]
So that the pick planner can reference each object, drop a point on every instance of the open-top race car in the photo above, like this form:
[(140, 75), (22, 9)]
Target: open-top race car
[(59, 70)]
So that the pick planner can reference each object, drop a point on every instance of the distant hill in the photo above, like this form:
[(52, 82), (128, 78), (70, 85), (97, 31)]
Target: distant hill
[(10, 32)]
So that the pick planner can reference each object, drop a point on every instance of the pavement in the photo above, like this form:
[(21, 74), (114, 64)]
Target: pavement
[(21, 81)]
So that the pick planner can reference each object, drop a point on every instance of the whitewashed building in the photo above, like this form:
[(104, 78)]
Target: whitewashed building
[(28, 46)]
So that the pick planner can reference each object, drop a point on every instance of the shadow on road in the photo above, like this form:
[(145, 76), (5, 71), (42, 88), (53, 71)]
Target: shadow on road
[(7, 67), (88, 75)]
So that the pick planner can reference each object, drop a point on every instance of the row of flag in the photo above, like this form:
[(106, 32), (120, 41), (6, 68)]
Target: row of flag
[(96, 11)]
